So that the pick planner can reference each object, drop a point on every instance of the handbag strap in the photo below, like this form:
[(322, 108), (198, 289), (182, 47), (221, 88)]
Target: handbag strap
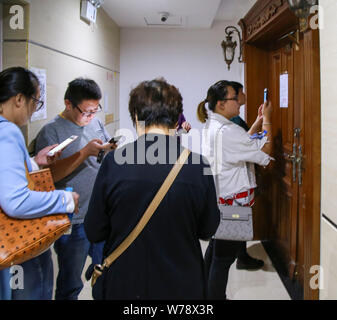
[(149, 211)]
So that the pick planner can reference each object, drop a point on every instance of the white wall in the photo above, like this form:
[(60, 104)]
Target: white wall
[(192, 60), (66, 48)]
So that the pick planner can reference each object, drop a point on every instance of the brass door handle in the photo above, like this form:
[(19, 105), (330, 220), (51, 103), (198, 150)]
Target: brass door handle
[(289, 157), (293, 159), (299, 161)]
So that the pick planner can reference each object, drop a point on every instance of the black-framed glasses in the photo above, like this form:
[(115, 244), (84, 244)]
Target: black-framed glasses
[(88, 114), (38, 103), (234, 98)]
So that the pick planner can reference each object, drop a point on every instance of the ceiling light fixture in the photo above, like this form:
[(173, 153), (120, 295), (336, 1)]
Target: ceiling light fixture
[(96, 3)]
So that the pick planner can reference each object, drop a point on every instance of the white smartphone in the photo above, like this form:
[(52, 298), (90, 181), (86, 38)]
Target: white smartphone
[(62, 145)]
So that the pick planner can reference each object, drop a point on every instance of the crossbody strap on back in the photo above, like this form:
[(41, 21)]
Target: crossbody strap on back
[(145, 218)]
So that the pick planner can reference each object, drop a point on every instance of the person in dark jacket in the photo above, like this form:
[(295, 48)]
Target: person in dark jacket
[(165, 261), (244, 260)]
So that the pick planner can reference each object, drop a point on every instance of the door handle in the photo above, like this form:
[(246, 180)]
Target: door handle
[(299, 161), (293, 159)]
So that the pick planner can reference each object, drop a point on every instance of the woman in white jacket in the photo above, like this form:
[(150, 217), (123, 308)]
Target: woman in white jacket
[(232, 154)]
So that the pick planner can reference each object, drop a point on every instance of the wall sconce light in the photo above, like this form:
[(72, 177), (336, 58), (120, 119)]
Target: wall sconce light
[(301, 9), (96, 3), (229, 46)]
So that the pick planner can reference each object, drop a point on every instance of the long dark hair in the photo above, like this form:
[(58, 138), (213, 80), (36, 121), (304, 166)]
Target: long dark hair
[(217, 92), (17, 80)]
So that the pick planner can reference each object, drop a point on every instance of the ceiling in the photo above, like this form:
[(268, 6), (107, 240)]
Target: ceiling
[(182, 13)]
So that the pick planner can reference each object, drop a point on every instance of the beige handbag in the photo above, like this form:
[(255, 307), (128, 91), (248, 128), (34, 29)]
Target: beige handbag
[(98, 270)]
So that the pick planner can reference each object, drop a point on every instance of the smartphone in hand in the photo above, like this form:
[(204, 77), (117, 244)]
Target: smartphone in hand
[(265, 95), (102, 152), (115, 139), (62, 145)]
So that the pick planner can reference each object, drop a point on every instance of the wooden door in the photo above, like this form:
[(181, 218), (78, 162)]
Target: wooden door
[(286, 138)]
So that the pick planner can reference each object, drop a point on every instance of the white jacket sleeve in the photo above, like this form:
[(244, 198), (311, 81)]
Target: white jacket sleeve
[(237, 146)]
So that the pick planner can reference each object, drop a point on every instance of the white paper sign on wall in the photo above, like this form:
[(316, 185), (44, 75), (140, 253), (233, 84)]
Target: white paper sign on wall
[(42, 76)]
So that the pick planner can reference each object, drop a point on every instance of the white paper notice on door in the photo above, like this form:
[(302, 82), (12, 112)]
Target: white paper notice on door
[(284, 90)]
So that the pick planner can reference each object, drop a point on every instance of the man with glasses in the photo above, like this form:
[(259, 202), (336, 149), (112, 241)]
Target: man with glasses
[(77, 168)]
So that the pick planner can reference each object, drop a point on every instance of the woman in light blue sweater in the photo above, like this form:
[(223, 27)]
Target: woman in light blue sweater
[(19, 98)]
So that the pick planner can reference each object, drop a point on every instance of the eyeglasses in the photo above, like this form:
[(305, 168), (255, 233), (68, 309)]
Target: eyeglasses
[(88, 114), (234, 98), (38, 103)]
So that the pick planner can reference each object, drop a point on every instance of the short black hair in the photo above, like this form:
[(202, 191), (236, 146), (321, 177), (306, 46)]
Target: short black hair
[(237, 86), (156, 102), (17, 80), (82, 89)]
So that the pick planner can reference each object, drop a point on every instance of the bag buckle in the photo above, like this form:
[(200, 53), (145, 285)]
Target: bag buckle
[(98, 270)]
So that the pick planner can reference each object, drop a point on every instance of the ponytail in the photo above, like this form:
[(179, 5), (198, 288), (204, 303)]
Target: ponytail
[(202, 112), (217, 92)]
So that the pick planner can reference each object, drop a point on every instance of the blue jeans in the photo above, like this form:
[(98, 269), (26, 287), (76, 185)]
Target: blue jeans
[(5, 289), (72, 251), (96, 254), (38, 279)]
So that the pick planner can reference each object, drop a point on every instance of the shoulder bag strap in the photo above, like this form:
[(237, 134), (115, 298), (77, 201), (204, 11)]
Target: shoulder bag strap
[(150, 210)]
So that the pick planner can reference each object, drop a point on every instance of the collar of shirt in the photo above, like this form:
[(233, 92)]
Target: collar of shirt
[(218, 117)]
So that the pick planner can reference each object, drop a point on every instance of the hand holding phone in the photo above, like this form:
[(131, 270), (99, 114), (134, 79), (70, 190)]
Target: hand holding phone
[(265, 95), (62, 145), (113, 140)]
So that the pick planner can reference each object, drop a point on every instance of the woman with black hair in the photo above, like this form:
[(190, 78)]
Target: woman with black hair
[(165, 261), (232, 154), (19, 98)]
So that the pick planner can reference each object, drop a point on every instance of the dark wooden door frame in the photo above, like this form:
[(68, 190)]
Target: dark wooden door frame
[(263, 28)]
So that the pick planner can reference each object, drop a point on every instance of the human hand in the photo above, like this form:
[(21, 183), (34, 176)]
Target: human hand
[(267, 111), (186, 126), (76, 196), (259, 117), (94, 147), (109, 146), (43, 160)]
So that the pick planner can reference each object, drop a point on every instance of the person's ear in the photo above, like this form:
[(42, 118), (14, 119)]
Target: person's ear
[(20, 100), (139, 129), (220, 105), (68, 104)]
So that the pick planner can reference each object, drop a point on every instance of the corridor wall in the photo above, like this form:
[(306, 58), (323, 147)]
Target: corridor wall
[(57, 40), (328, 47), (191, 59)]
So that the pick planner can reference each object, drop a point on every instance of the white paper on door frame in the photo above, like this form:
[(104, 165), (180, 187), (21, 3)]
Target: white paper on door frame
[(284, 90)]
